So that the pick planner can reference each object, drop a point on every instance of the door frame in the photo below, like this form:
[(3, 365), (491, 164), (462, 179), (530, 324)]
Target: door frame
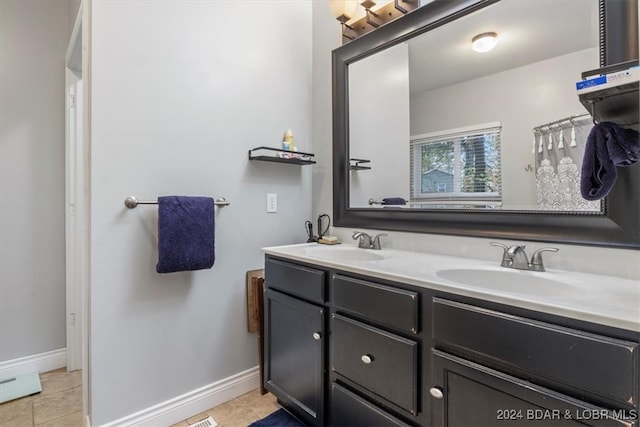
[(77, 200), (76, 261)]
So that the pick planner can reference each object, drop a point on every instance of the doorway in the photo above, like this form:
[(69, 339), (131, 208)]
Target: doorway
[(77, 201)]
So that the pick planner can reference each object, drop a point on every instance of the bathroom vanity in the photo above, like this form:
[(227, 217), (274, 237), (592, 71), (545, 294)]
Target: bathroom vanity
[(357, 337)]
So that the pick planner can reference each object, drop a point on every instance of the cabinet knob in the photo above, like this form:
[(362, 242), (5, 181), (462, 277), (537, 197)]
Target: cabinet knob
[(366, 359), (317, 336), (436, 392)]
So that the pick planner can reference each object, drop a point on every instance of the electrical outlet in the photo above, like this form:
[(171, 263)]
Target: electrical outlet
[(272, 202)]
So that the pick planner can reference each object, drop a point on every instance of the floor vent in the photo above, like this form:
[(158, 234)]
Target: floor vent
[(207, 422)]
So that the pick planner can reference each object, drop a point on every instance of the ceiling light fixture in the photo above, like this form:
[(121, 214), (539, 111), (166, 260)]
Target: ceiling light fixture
[(484, 42)]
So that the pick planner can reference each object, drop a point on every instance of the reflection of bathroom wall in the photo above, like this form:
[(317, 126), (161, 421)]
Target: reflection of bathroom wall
[(521, 99), (379, 125)]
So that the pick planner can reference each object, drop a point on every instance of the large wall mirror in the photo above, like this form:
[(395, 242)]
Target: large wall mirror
[(430, 136)]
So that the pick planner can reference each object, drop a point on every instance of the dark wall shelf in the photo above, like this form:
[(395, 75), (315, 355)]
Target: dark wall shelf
[(617, 104), (290, 157), (356, 164)]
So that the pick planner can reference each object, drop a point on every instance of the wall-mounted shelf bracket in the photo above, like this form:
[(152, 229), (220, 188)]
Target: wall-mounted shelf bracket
[(356, 164), (269, 154)]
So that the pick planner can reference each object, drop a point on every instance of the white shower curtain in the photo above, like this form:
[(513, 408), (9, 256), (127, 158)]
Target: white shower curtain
[(558, 153)]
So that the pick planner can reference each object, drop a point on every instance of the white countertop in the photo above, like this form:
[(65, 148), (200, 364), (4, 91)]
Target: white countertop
[(607, 300)]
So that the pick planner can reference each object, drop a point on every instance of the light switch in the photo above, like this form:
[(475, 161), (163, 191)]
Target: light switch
[(272, 202)]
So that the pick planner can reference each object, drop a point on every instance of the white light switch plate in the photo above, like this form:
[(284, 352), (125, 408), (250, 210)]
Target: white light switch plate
[(272, 202)]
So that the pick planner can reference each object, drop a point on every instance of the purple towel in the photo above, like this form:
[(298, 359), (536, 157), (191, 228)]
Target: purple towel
[(186, 233), (394, 201), (279, 418), (608, 146)]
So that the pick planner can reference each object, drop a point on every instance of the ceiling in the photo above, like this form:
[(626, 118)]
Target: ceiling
[(528, 31)]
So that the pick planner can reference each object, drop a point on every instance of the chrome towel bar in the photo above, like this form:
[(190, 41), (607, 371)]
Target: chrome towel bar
[(131, 202)]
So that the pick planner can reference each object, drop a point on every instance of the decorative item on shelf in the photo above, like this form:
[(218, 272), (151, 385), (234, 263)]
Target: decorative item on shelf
[(343, 10), (356, 164), (269, 154), (287, 141)]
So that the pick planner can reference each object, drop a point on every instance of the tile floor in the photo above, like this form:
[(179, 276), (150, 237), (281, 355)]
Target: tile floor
[(239, 412), (60, 405)]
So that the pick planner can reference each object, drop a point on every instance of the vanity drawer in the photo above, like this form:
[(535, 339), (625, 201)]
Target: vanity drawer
[(384, 363), (379, 303), (350, 410), (570, 358), (295, 279)]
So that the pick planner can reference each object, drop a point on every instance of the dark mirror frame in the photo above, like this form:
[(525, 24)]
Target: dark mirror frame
[(616, 226)]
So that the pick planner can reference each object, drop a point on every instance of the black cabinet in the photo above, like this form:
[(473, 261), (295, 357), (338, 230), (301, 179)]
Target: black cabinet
[(593, 366), (350, 410), (494, 368), (376, 341), (294, 336), (467, 394), (382, 362), (345, 349)]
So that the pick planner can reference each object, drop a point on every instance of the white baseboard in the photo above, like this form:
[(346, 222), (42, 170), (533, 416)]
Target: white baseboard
[(42, 362), (182, 407)]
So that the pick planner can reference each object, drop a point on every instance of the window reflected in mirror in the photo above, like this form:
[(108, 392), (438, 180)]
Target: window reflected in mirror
[(457, 168)]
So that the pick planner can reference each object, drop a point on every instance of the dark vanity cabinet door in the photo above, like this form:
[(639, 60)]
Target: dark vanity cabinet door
[(494, 368), (466, 394), (294, 354)]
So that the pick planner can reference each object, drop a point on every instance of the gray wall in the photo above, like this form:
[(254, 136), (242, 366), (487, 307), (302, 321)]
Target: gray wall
[(181, 90), (379, 125), (33, 40)]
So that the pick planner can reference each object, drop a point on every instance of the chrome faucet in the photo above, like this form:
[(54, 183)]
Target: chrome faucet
[(367, 242), (516, 257)]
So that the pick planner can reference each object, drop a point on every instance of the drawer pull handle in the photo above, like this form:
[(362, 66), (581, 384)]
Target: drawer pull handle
[(317, 336), (436, 392), (366, 359)]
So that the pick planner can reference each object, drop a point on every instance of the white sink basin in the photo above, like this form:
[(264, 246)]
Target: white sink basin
[(510, 281), (338, 253)]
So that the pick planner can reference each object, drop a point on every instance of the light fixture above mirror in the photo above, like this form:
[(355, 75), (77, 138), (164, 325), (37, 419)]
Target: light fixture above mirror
[(344, 10)]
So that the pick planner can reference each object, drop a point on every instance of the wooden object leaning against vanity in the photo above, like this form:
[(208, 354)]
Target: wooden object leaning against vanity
[(387, 342)]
